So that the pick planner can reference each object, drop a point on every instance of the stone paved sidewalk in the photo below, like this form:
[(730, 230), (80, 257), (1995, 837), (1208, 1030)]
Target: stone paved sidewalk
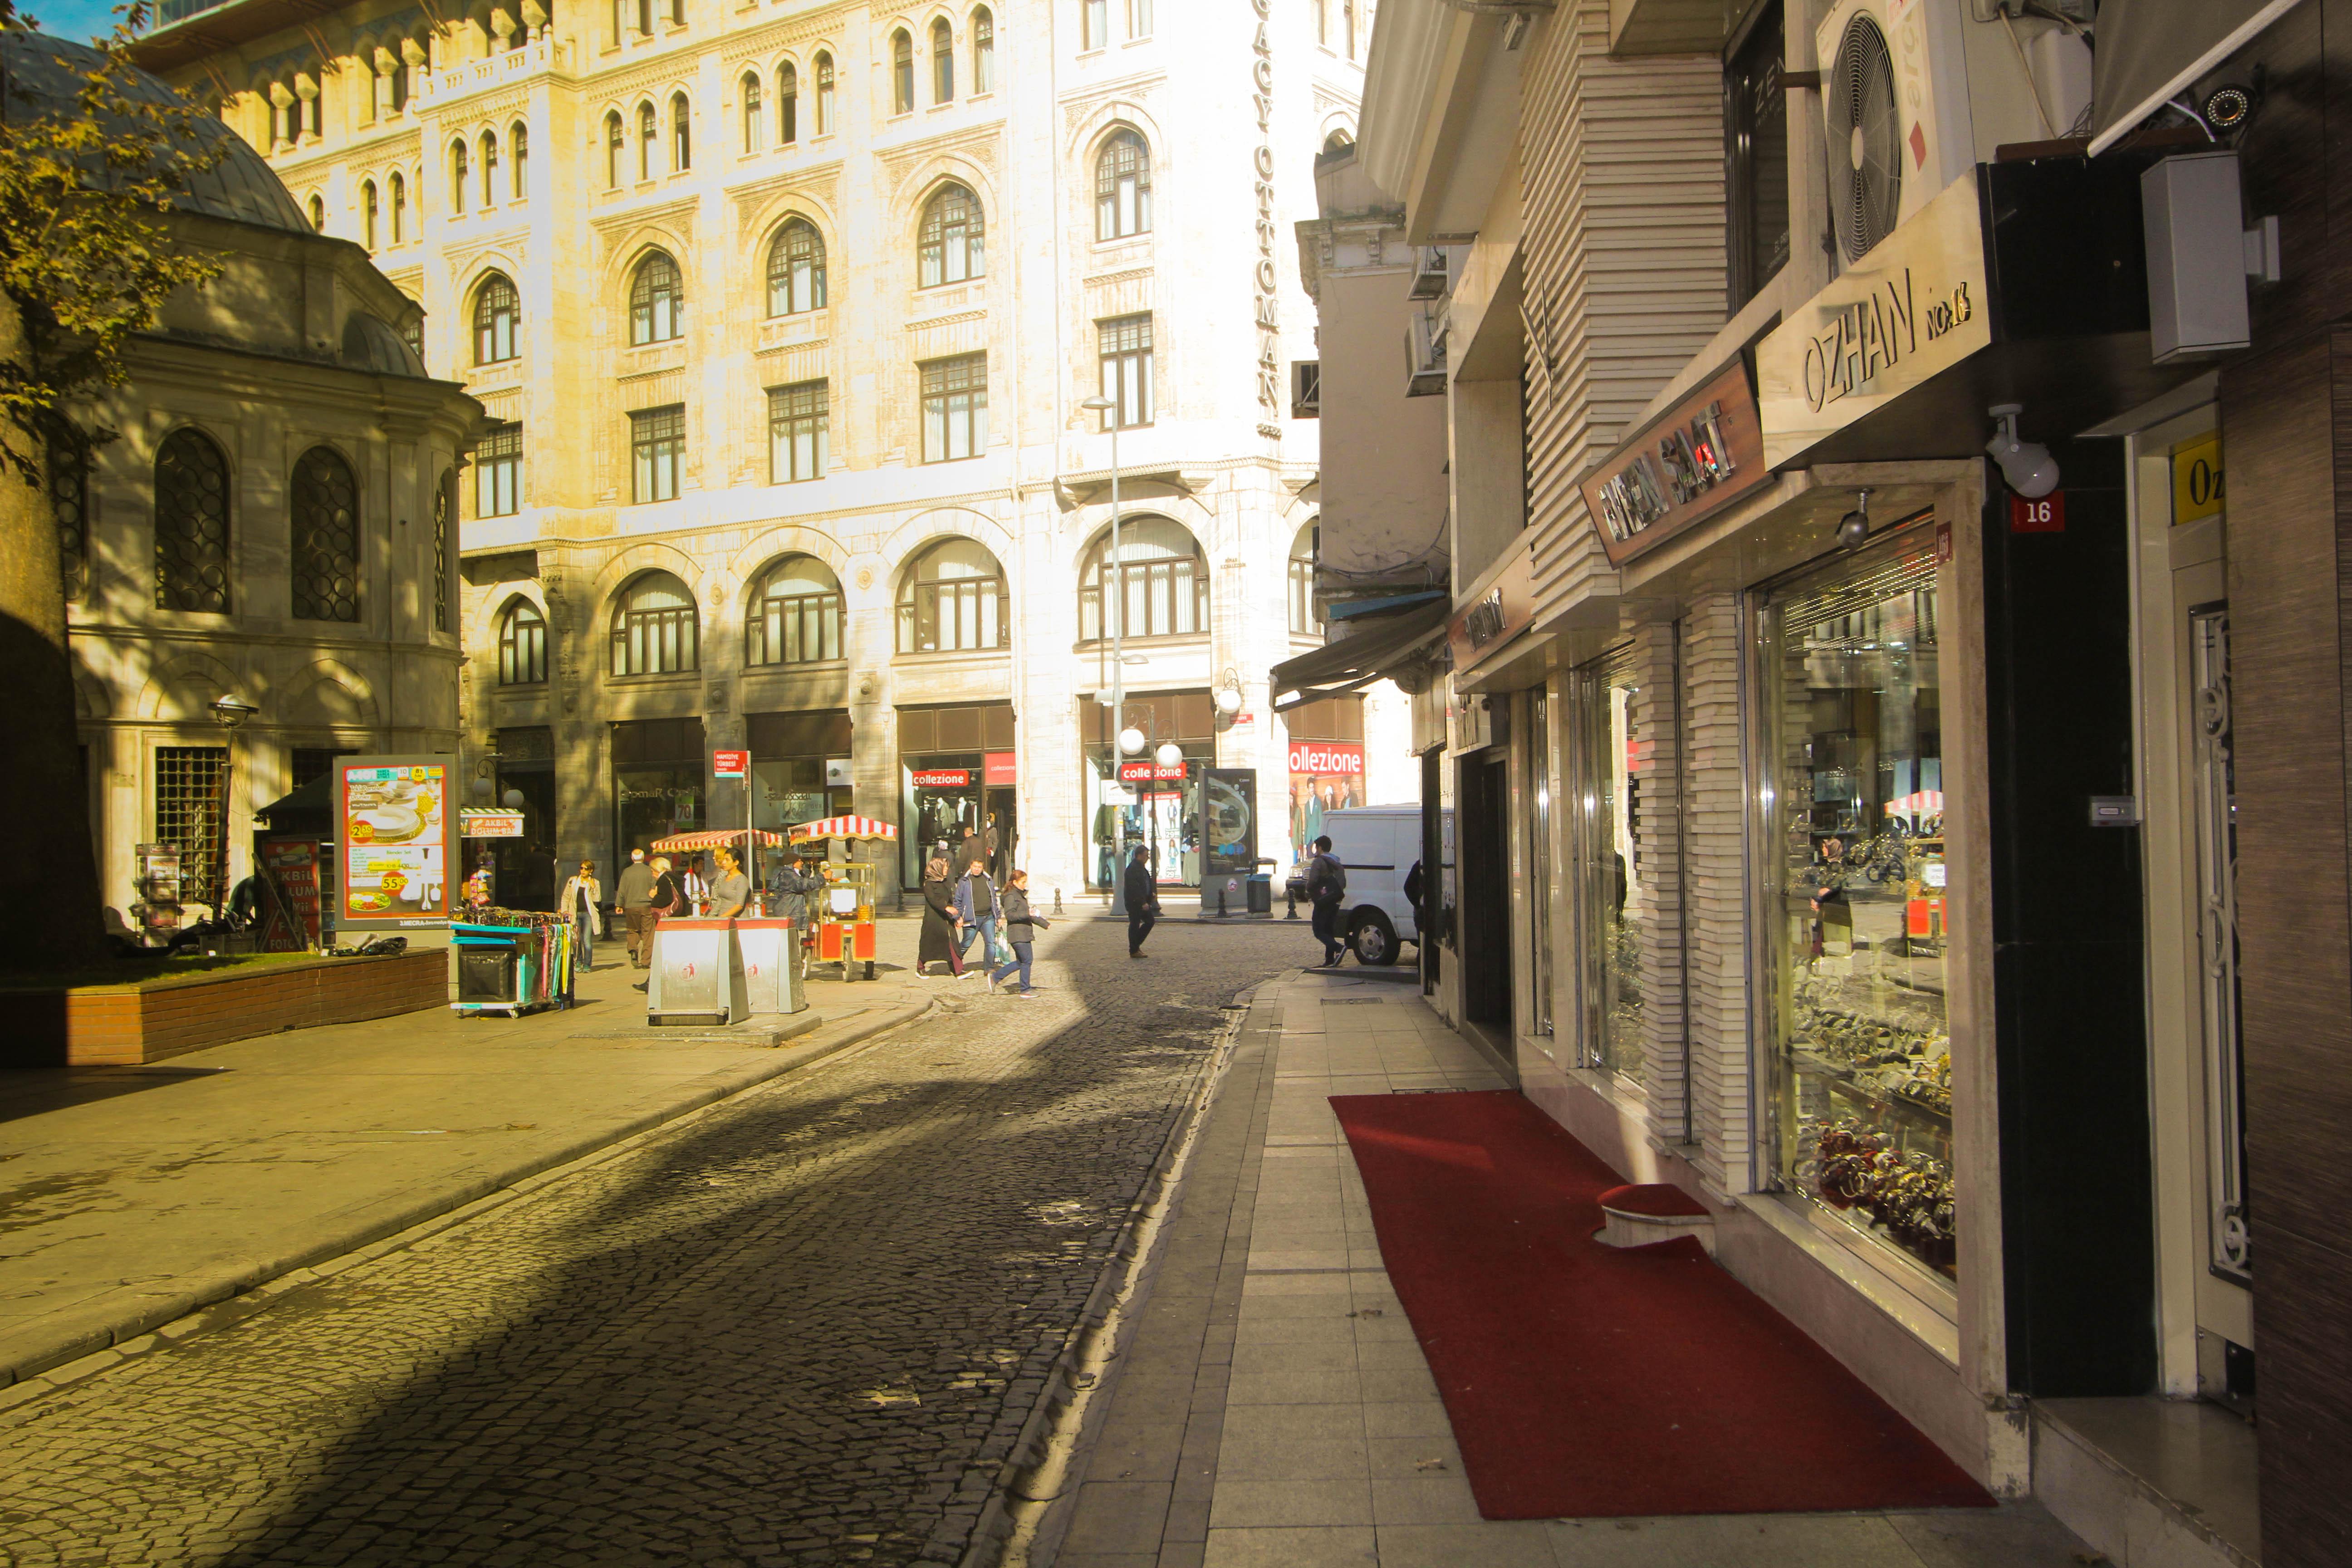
[(1273, 1408), (131, 1196)]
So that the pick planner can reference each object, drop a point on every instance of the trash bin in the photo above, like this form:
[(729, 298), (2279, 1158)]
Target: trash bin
[(771, 981), (697, 974), (1261, 894)]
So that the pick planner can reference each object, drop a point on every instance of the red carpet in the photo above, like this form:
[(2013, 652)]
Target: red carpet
[(1585, 1380)]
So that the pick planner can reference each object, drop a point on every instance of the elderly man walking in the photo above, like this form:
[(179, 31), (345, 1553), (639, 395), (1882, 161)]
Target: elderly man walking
[(635, 893)]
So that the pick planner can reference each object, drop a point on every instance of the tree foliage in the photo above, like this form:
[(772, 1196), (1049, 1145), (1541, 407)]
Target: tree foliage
[(86, 254)]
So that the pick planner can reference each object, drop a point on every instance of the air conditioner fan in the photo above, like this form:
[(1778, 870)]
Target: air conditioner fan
[(1866, 171)]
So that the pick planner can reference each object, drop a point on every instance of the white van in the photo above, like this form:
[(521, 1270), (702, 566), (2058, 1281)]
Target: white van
[(1378, 845)]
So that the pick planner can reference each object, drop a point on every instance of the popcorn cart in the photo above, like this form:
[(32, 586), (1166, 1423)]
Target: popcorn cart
[(842, 911)]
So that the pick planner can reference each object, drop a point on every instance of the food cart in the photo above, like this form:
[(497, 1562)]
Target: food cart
[(841, 913)]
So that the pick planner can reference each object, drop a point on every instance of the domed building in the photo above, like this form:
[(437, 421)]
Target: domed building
[(274, 521)]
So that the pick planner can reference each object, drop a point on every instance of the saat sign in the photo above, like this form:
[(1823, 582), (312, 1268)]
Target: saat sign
[(1327, 762)]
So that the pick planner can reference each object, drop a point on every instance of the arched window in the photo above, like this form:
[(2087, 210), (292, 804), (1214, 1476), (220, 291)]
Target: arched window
[(458, 176), (950, 249), (489, 168), (495, 308), (902, 73), (796, 269), (654, 627), (368, 213), (952, 600), (681, 134), (942, 61), (399, 209), (319, 214), (520, 140), (326, 536), (1338, 140), (824, 107), (1303, 550), (984, 51), (657, 302), (648, 133), (1160, 578), (788, 104), (755, 113), (523, 646), (794, 615), (615, 137), (1123, 187), (191, 524)]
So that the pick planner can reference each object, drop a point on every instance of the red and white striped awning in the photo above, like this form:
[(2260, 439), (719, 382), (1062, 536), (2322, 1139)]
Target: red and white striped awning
[(1924, 803), (842, 827), (709, 840)]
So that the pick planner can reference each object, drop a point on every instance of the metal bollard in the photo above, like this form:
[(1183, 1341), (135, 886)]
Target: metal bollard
[(1221, 903), (1058, 900), (1290, 900)]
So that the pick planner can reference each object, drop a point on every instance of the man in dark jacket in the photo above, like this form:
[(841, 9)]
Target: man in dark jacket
[(1142, 899), (1327, 888), (1022, 925), (635, 894), (789, 888)]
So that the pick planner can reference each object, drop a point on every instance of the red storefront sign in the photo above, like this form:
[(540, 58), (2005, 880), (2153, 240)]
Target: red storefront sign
[(292, 867), (1001, 768), (730, 765), (1146, 773), (942, 778), (1328, 759)]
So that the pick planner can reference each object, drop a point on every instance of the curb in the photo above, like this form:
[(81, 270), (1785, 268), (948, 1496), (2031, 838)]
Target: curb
[(239, 1288)]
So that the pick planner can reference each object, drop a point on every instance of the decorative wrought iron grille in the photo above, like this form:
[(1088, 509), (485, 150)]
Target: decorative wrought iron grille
[(326, 538), (191, 525)]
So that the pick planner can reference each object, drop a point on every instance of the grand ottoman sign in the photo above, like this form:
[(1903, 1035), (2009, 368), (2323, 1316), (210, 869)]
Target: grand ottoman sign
[(1269, 366)]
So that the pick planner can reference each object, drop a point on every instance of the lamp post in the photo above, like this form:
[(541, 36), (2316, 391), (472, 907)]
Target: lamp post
[(1101, 405), (230, 711)]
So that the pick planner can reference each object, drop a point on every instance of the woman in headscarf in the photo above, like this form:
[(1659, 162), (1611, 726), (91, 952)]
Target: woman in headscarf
[(938, 945)]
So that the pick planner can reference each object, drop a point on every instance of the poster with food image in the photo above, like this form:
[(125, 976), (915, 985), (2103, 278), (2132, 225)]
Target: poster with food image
[(397, 832)]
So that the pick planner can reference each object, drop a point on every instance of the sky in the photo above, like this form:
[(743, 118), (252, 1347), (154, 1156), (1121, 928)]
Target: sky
[(77, 21)]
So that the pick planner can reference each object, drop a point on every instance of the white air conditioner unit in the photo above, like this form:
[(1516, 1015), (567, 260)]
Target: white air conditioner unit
[(1429, 272), (1424, 353), (1916, 92)]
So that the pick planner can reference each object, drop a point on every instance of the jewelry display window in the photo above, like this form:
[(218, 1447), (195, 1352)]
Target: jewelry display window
[(1853, 884), (1612, 895)]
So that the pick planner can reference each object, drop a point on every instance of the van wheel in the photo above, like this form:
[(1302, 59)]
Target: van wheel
[(1375, 939)]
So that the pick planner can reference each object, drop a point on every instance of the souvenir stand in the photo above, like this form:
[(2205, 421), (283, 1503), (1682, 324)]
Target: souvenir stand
[(842, 911), (510, 961)]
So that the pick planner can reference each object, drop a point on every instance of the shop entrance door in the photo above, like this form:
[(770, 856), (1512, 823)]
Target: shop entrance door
[(1003, 833), (1485, 831)]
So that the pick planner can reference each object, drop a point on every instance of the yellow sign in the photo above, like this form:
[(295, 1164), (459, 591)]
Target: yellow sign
[(2197, 479)]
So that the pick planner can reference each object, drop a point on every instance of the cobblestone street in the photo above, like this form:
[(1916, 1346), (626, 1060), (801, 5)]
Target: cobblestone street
[(805, 1327)]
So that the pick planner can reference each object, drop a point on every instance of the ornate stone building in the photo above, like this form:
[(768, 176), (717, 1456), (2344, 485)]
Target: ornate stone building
[(783, 316)]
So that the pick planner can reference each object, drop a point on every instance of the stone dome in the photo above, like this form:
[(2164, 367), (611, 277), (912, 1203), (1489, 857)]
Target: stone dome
[(44, 76)]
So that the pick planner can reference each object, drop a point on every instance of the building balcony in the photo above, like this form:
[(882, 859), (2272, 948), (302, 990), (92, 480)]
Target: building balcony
[(450, 86)]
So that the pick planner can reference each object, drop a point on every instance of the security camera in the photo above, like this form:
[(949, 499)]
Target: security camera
[(1853, 528), (2027, 466)]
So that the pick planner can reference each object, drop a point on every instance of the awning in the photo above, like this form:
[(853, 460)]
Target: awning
[(842, 827), (1360, 658), (314, 799), (713, 838), (2148, 50)]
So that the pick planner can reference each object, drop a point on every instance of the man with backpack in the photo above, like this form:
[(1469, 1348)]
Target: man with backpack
[(1327, 888)]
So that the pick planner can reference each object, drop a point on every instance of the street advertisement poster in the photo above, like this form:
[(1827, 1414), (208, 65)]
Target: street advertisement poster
[(1325, 776), (399, 840), (1229, 822), (290, 868)]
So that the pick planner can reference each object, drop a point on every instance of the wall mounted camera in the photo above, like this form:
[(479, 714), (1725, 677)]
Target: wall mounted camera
[(2026, 466), (1853, 528)]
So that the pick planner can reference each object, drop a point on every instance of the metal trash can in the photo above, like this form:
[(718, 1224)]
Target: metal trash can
[(697, 974), (1261, 894), (771, 981)]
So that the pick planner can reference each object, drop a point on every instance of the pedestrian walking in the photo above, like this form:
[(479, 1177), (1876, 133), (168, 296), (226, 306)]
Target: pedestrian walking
[(1142, 890), (789, 888), (938, 940), (731, 894), (1327, 888), (635, 894), (1022, 925), (581, 895), (978, 912)]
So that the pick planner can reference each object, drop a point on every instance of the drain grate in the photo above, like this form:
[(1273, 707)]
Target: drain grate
[(1355, 1001)]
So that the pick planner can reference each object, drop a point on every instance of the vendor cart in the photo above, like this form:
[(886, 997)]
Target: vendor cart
[(841, 913), (742, 840), (510, 961)]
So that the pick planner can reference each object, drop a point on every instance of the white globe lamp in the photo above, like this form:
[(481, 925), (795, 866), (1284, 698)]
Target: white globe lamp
[(1131, 741), (1168, 755), (1229, 701)]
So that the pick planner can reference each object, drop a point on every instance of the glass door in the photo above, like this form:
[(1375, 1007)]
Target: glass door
[(1610, 901)]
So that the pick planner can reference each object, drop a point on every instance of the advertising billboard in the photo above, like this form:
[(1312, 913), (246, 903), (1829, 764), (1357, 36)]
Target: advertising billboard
[(1325, 776), (397, 834)]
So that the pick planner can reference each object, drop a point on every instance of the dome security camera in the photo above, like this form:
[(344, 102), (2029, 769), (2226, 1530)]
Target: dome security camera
[(1853, 528), (2026, 466)]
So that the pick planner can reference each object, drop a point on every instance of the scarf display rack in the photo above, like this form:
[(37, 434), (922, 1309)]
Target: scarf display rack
[(510, 961)]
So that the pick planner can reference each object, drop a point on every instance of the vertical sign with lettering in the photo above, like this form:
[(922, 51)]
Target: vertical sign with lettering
[(1269, 367)]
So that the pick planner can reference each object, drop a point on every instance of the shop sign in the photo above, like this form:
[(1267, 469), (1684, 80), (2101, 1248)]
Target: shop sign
[(2040, 514), (1911, 308), (487, 824), (1687, 464), (398, 833), (291, 868), (1001, 768), (942, 778), (2197, 489), (730, 765), (836, 773), (1498, 609), (1145, 772), (1328, 759)]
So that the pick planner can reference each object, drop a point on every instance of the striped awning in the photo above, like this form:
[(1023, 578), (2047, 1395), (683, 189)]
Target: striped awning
[(711, 840), (1923, 803), (842, 827)]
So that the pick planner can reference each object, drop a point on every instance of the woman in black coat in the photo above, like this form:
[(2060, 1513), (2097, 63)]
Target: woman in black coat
[(938, 945)]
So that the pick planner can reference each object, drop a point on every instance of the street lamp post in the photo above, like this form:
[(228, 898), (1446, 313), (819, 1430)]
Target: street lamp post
[(228, 711), (1102, 404)]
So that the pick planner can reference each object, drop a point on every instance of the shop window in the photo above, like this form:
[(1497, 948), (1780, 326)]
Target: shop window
[(984, 51), (1123, 187), (656, 452), (953, 600), (1123, 346), (1612, 894), (659, 768), (794, 615), (190, 781), (69, 466), (498, 471), (1304, 547), (1756, 158), (191, 524), (796, 269), (496, 307), (1850, 732), (955, 407), (942, 62), (1161, 580), (657, 302), (788, 104), (797, 422), (1540, 859), (655, 627), (522, 645), (902, 73), (951, 249), (326, 538), (799, 768)]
